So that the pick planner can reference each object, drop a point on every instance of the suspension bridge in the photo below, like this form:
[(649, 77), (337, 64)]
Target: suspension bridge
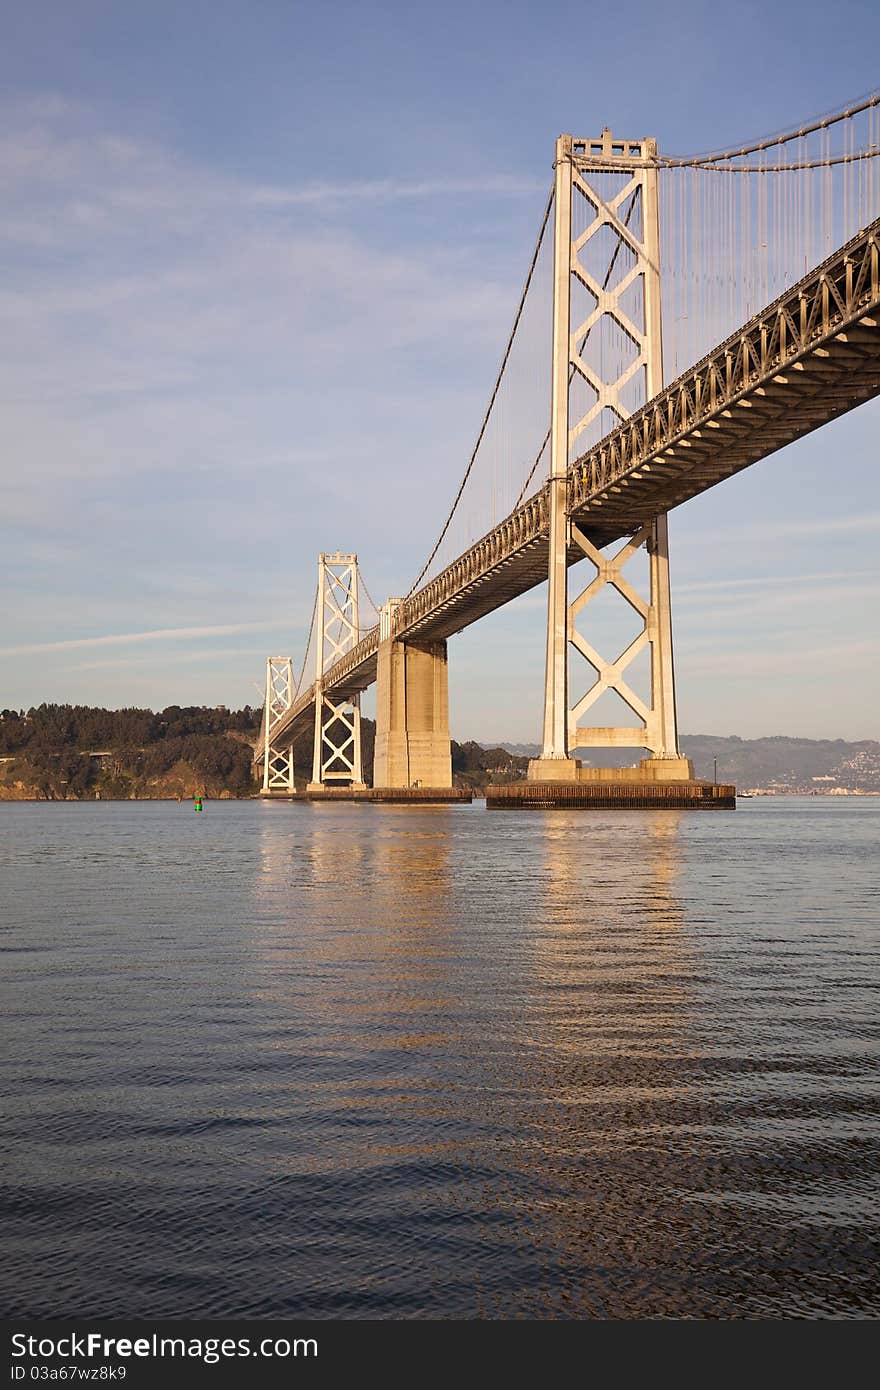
[(768, 296)]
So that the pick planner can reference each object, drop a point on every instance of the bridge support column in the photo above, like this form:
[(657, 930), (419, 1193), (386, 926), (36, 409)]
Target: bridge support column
[(412, 715), (662, 674), (625, 301), (554, 763)]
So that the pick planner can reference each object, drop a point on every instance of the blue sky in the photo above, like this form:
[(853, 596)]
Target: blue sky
[(259, 262)]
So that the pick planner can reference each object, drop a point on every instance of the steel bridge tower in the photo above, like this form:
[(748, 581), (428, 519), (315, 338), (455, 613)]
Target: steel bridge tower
[(623, 211), (337, 745), (277, 762)]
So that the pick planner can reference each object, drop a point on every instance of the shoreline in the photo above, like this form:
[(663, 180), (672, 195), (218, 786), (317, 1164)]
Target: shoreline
[(478, 793)]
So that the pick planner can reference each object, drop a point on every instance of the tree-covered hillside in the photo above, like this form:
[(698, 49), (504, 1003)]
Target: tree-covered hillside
[(64, 751)]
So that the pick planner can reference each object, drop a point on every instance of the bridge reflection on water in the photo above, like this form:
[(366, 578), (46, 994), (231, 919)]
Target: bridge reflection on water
[(542, 1082)]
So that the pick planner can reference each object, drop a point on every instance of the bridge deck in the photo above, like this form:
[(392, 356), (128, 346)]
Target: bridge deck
[(810, 356)]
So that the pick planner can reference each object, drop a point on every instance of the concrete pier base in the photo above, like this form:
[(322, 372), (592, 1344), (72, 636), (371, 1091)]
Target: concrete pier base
[(659, 769), (553, 770), (614, 793), (412, 716), (345, 787), (387, 796)]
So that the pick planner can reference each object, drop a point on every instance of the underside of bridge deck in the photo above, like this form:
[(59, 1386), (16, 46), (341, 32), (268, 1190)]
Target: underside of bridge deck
[(822, 385)]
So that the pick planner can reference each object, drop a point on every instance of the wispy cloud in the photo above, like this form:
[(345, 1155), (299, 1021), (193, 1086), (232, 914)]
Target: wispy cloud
[(793, 660), (169, 658), (862, 522), (164, 314), (773, 581), (733, 607), (394, 190), (163, 634), (755, 532)]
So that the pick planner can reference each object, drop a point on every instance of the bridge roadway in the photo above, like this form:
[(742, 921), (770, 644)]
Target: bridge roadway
[(810, 356)]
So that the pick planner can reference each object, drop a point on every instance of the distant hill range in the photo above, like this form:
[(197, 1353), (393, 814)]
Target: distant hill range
[(77, 752), (777, 764)]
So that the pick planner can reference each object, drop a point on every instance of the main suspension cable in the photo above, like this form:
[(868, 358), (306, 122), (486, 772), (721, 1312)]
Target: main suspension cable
[(819, 123), (507, 351), (302, 672), (370, 600), (869, 152)]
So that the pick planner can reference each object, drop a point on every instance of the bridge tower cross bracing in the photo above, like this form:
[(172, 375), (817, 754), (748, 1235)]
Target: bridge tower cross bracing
[(582, 168), (337, 742), (277, 762)]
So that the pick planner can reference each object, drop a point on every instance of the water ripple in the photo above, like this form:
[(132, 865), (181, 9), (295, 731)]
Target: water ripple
[(283, 1061)]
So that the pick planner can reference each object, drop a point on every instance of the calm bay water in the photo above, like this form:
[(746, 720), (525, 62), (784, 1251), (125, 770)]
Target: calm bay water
[(342, 1061)]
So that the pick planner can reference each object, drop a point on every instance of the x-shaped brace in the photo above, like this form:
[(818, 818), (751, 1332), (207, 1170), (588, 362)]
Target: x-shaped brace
[(609, 673)]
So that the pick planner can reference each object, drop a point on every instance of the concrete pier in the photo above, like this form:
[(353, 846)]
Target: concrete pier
[(412, 716), (386, 796), (615, 792)]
